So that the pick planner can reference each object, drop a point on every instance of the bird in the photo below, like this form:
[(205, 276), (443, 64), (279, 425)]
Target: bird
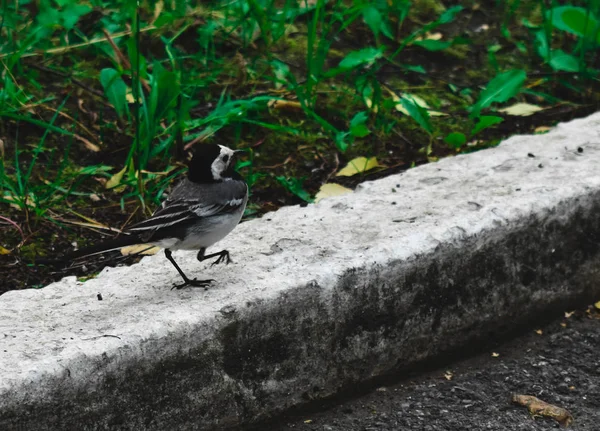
[(201, 210)]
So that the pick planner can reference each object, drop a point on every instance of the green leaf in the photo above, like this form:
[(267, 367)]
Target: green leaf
[(450, 14), (560, 60), (360, 57), (414, 68), (294, 186), (358, 129), (456, 140), (115, 89), (417, 113), (486, 121), (575, 20), (433, 45), (72, 13), (500, 89), (372, 17), (165, 89)]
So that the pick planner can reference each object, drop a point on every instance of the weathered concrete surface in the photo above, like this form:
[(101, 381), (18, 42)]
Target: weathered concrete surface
[(319, 298)]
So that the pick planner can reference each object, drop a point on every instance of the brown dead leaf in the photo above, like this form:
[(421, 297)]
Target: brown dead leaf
[(1, 148), (144, 249), (87, 143), (538, 407), (285, 105)]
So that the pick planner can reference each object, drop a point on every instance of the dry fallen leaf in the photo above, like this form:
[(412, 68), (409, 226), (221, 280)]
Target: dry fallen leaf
[(285, 105), (569, 313), (539, 331), (521, 109), (115, 180), (357, 166), (563, 324), (495, 355), (538, 407), (144, 249), (542, 129), (331, 189), (597, 305), (448, 375)]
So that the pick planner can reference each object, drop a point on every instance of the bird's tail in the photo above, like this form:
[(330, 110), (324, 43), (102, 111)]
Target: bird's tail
[(113, 244)]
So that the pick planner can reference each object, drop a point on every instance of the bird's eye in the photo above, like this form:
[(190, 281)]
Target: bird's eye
[(226, 158)]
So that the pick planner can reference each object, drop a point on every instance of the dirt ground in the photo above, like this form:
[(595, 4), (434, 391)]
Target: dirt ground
[(560, 365)]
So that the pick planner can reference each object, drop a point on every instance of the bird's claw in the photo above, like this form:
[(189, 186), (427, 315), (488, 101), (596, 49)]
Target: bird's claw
[(223, 258), (193, 283)]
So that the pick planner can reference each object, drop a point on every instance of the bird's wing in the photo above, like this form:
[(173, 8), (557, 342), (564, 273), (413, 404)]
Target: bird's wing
[(192, 205)]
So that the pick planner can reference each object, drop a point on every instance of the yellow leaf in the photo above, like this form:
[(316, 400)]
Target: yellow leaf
[(597, 305), (331, 189), (542, 129), (357, 166), (539, 331), (521, 109), (115, 180), (139, 249), (4, 250)]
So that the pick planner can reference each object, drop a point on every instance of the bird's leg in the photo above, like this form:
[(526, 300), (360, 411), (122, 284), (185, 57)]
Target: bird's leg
[(223, 256), (187, 281)]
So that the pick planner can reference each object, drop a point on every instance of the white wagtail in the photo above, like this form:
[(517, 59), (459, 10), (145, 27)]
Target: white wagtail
[(200, 211)]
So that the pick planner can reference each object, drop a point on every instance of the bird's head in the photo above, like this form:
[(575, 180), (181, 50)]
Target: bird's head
[(210, 163)]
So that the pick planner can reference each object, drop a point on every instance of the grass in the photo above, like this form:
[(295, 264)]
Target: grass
[(100, 101)]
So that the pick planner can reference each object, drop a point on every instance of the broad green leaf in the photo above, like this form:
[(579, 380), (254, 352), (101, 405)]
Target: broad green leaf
[(115, 89), (501, 88), (358, 166), (433, 45), (562, 61), (521, 109), (360, 57), (294, 185), (358, 128), (486, 121), (72, 13), (575, 20), (456, 140), (372, 17), (331, 189), (417, 100), (419, 114), (165, 89), (450, 14)]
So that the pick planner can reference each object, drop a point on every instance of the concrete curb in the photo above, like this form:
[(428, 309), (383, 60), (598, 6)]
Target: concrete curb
[(319, 298)]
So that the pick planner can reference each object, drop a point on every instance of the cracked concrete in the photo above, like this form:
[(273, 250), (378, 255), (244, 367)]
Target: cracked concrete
[(319, 298)]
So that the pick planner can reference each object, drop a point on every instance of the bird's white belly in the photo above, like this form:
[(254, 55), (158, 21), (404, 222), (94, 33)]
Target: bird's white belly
[(212, 231)]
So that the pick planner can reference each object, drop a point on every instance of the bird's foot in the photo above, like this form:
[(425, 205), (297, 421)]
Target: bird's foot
[(223, 257), (193, 283)]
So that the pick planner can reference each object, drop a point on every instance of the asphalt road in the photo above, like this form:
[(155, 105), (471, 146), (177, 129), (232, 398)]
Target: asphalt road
[(559, 363)]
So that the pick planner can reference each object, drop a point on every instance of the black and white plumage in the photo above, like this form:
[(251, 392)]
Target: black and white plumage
[(200, 211)]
